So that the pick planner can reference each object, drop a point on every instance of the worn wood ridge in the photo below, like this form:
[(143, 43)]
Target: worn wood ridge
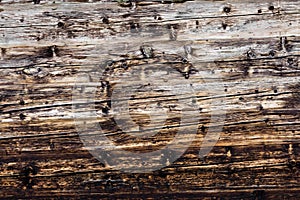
[(250, 49)]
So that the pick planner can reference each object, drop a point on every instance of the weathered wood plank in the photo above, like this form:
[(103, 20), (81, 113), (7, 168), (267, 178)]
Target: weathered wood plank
[(252, 47)]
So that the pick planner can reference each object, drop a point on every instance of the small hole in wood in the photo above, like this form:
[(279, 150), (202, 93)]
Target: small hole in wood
[(126, 15), (292, 163), (3, 52), (259, 11), (105, 110), (290, 61), (22, 102), (60, 24), (22, 116), (132, 25), (271, 8), (227, 9), (105, 20), (36, 1), (272, 53), (203, 128)]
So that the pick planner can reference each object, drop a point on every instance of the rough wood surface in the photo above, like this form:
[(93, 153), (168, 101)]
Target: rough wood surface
[(252, 47)]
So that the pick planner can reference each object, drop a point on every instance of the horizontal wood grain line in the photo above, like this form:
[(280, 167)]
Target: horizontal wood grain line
[(157, 98), (178, 20)]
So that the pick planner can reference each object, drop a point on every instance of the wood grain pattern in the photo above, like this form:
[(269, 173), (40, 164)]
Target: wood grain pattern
[(252, 46)]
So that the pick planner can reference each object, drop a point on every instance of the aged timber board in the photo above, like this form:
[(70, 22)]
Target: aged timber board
[(244, 55)]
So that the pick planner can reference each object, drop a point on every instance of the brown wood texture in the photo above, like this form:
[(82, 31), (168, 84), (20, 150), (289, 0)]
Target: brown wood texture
[(252, 46)]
